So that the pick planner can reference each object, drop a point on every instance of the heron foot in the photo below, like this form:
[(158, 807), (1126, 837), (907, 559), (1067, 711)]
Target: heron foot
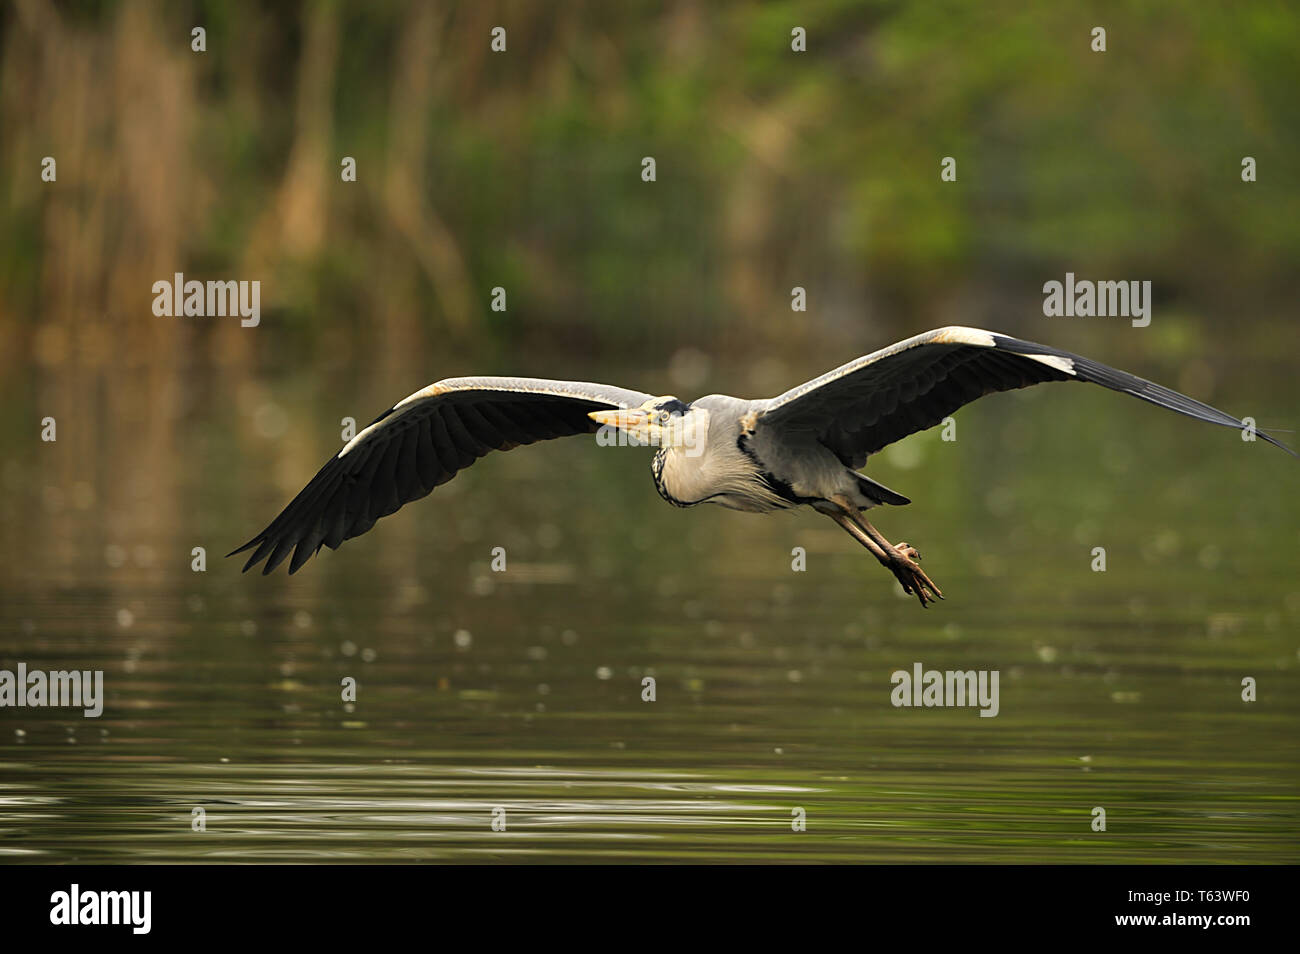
[(900, 559), (911, 577)]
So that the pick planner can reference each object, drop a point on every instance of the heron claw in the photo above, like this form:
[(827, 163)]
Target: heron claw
[(912, 578)]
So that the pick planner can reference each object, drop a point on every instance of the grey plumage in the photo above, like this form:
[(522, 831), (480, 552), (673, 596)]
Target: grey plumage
[(803, 447)]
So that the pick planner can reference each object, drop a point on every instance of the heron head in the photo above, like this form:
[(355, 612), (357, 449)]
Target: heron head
[(659, 422)]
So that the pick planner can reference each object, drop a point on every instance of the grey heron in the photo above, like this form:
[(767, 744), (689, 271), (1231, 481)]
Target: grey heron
[(802, 448)]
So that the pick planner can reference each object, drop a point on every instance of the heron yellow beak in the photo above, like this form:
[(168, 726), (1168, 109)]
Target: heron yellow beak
[(621, 418)]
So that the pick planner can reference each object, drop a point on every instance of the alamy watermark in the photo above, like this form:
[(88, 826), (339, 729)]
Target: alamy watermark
[(83, 689), (196, 299), (76, 907), (932, 687), (1088, 299)]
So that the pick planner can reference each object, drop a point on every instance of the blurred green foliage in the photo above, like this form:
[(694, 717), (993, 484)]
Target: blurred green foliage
[(522, 169)]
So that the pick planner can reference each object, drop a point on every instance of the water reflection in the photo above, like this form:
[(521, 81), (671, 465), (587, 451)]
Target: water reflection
[(523, 691)]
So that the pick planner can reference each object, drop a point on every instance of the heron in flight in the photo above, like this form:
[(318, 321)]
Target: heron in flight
[(801, 448)]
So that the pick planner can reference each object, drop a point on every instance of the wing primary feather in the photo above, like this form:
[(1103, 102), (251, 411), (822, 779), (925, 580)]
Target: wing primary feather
[(463, 439), (1116, 380), (407, 470), (443, 445), (450, 438), (383, 488), (480, 428), (426, 461), (497, 416)]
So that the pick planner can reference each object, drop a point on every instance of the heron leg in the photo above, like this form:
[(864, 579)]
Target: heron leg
[(897, 558), (856, 532), (904, 556)]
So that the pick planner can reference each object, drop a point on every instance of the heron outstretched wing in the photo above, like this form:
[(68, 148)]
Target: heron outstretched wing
[(880, 398), (422, 442)]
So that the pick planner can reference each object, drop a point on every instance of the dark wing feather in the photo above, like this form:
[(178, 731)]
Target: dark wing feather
[(881, 398), (419, 444)]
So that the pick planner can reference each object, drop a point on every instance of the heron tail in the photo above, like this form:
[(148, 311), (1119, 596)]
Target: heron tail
[(879, 492)]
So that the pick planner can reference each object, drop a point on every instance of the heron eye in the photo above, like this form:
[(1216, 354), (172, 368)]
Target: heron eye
[(663, 417)]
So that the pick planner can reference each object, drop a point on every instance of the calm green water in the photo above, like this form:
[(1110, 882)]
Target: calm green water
[(522, 690)]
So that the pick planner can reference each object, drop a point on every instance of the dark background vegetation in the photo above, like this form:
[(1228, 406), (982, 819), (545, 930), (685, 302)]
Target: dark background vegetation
[(522, 170)]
